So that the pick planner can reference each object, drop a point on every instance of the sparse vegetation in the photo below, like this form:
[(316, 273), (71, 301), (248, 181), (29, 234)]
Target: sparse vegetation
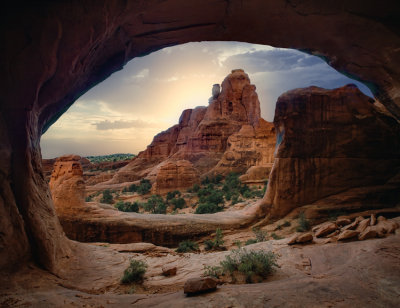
[(239, 244), (249, 263), (127, 206), (304, 224), (135, 272), (110, 158), (286, 224), (107, 197), (89, 199), (261, 235), (250, 241), (144, 187), (217, 243), (187, 246), (178, 203), (156, 205), (276, 237)]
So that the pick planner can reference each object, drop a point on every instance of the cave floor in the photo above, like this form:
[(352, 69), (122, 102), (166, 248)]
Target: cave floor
[(362, 273)]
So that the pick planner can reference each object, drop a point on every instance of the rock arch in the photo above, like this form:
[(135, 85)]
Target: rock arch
[(55, 51)]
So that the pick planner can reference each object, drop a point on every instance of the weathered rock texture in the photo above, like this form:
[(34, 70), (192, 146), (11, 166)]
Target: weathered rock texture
[(67, 185), (331, 141), (71, 46), (228, 135)]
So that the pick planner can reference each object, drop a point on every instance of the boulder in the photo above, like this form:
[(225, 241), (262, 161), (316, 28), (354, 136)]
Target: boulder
[(363, 224), (169, 270), (199, 285), (373, 220), (368, 233), (325, 229), (304, 238), (348, 234), (343, 221)]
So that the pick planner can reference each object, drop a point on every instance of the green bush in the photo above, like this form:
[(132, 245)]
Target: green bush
[(217, 243), (260, 234), (187, 246), (156, 205), (127, 206), (286, 223), (172, 194), (208, 208), (135, 272), (213, 271), (249, 263), (251, 241), (196, 188), (144, 187), (276, 237), (304, 224), (89, 199), (107, 197), (178, 203)]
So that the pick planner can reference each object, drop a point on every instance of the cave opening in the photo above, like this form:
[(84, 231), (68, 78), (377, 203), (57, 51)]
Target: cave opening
[(68, 47)]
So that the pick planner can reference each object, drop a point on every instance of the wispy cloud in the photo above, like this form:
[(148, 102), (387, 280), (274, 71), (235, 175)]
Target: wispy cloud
[(122, 124)]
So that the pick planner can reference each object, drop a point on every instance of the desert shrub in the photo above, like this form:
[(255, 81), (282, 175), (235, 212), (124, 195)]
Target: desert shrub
[(260, 234), (156, 205), (127, 206), (235, 198), (187, 246), (212, 271), (88, 198), (208, 208), (304, 224), (135, 271), (276, 236), (286, 223), (144, 186), (239, 244), (132, 188), (107, 197), (249, 263), (178, 203), (247, 194), (172, 194), (196, 188), (251, 241), (217, 243)]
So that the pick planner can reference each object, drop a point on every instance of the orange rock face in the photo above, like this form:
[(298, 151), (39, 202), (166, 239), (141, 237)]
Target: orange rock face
[(175, 175), (67, 185), (330, 141), (228, 135)]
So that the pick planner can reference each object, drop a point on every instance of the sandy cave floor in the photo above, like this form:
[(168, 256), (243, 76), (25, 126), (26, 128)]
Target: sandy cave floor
[(362, 273)]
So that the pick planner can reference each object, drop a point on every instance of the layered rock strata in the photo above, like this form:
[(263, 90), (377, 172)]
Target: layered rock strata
[(228, 135), (330, 142)]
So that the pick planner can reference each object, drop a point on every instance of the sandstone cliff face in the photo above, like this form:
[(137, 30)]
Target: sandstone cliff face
[(330, 141), (228, 135), (67, 185)]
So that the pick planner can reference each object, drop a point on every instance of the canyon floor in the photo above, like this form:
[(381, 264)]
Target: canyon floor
[(338, 274)]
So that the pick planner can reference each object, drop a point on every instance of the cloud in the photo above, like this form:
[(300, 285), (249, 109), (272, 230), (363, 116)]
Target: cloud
[(271, 60), (121, 124)]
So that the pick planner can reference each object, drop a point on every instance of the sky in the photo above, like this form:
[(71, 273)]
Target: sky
[(123, 113)]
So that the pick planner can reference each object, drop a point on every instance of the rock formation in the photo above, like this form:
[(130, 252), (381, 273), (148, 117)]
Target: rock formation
[(67, 185), (228, 135), (329, 142)]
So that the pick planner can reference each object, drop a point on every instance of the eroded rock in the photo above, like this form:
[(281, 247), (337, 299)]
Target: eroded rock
[(199, 285)]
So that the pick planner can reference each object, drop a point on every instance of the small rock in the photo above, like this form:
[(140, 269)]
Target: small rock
[(334, 233), (367, 234), (199, 285), (304, 238), (354, 224), (373, 220), (342, 221), (326, 229), (347, 234), (381, 218), (293, 239), (169, 270), (363, 225)]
